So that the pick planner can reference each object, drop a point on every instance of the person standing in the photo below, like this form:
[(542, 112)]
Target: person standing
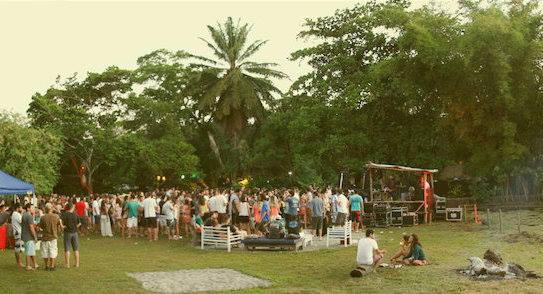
[(342, 208), (132, 207), (50, 224), (186, 215), (356, 210), (222, 202), (265, 209), (81, 211), (71, 240), (213, 202), (96, 213), (16, 219), (233, 206), (105, 220), (316, 206), (334, 207), (167, 211), (29, 237), (150, 208)]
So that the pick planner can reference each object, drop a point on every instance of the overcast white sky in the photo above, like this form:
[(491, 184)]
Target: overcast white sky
[(43, 39)]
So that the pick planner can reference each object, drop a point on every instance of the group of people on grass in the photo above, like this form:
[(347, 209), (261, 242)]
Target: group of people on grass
[(34, 230), (175, 214), (370, 255)]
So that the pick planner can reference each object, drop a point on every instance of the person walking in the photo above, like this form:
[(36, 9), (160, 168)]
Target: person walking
[(71, 240), (50, 224)]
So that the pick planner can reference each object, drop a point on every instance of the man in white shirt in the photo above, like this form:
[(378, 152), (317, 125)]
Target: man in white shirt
[(342, 208), (368, 253), (222, 202), (213, 203), (16, 220), (96, 213), (150, 208)]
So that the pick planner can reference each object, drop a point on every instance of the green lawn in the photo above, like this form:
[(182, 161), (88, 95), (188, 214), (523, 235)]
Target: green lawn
[(105, 263)]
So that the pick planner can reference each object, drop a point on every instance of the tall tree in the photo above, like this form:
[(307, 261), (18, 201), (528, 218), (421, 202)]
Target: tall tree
[(236, 88), (86, 112)]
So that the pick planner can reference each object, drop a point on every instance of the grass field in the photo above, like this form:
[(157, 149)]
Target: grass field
[(105, 263)]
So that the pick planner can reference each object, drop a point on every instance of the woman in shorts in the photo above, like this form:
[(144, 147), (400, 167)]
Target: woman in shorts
[(244, 214)]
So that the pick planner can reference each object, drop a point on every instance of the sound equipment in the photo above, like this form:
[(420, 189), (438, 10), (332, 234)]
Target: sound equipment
[(396, 215), (410, 219), (441, 207), (454, 214), (383, 215)]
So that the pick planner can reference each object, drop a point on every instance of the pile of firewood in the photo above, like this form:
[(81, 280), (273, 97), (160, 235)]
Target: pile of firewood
[(492, 267)]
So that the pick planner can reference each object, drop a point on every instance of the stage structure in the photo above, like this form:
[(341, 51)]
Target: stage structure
[(426, 184)]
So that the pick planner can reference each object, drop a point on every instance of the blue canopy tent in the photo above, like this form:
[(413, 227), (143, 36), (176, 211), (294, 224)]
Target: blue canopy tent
[(10, 185)]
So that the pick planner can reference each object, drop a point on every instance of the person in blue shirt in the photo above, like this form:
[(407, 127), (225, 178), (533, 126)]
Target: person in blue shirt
[(265, 210), (356, 203), (292, 210)]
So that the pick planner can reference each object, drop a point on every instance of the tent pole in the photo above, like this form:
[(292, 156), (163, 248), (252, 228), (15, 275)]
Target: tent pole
[(371, 185), (431, 200)]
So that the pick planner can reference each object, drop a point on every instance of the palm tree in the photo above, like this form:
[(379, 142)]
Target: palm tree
[(236, 89)]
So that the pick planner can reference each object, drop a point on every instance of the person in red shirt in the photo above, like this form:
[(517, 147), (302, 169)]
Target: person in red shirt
[(81, 212)]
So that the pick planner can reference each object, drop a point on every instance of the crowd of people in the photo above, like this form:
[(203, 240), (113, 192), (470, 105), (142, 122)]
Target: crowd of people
[(38, 221)]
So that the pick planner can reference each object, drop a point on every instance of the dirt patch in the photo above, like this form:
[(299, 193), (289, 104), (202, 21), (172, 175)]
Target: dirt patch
[(524, 236), (200, 280)]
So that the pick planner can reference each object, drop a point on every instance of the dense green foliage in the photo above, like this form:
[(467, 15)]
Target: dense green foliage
[(28, 153), (419, 87), (91, 115)]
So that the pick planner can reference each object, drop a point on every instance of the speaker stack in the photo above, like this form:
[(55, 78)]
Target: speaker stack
[(396, 215), (383, 215)]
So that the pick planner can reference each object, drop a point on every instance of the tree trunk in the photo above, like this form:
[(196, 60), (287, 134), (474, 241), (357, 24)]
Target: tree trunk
[(215, 148), (81, 171)]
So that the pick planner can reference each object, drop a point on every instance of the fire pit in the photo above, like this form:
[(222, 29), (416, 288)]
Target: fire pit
[(492, 267)]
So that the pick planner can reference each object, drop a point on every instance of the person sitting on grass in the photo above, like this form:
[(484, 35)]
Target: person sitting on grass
[(368, 253), (416, 256), (404, 251)]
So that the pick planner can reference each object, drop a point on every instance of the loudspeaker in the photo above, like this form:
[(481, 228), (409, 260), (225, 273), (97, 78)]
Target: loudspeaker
[(454, 214)]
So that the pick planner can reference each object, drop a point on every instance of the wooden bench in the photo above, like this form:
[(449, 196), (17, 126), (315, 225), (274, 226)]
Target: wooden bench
[(273, 244), (219, 237), (342, 233)]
